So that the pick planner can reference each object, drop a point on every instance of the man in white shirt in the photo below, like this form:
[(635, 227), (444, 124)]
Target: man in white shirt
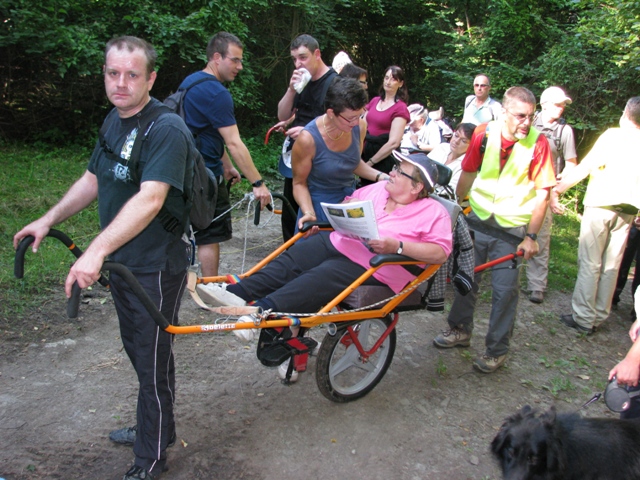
[(481, 108)]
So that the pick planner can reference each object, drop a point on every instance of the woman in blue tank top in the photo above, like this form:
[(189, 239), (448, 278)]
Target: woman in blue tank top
[(327, 154)]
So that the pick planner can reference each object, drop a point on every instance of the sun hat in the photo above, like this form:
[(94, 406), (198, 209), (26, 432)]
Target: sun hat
[(554, 95), (426, 167), (416, 111)]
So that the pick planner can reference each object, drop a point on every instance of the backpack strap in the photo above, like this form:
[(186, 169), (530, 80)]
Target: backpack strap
[(469, 100), (169, 222), (483, 145), (326, 85)]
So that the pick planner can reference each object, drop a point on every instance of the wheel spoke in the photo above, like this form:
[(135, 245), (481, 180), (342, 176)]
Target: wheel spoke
[(349, 359)]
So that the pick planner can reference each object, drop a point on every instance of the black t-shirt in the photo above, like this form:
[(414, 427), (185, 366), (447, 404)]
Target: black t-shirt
[(310, 103), (165, 158)]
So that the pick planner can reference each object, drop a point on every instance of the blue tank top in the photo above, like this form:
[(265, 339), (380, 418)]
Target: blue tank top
[(331, 177)]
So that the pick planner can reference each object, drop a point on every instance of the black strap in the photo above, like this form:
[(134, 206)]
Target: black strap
[(169, 222)]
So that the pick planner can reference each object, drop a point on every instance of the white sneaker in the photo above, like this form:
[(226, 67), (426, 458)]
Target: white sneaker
[(216, 294), (282, 372), (246, 334)]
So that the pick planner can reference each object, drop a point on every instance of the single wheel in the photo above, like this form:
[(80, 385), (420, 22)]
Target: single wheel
[(341, 373)]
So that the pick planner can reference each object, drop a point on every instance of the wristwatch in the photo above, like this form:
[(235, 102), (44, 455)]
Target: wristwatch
[(399, 252), (257, 183), (532, 236)]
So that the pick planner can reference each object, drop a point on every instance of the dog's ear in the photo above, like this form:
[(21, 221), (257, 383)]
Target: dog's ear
[(499, 440), (554, 448)]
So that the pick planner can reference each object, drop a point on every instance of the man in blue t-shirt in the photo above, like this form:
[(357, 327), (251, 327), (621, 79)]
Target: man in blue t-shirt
[(209, 114)]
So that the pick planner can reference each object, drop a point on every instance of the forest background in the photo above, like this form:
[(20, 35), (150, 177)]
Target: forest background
[(51, 54)]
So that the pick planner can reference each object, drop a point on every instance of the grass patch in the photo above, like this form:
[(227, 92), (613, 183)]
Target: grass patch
[(33, 179)]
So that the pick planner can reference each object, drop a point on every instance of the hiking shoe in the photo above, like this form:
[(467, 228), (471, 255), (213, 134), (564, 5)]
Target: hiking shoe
[(282, 372), (455, 337), (127, 436), (216, 294), (536, 296), (489, 364), (140, 473), (571, 323), (246, 334)]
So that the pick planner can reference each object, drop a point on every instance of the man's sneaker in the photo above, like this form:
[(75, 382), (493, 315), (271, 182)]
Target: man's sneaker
[(246, 334), (124, 436), (216, 294), (571, 323), (455, 337), (489, 364), (127, 436), (536, 296), (282, 372), (140, 473)]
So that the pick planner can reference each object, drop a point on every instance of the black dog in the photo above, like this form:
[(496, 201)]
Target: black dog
[(545, 446)]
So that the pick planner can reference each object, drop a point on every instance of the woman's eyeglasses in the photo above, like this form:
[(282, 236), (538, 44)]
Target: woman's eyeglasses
[(396, 168), (350, 121)]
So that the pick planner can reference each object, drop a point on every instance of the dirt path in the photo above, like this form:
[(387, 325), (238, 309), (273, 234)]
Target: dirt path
[(431, 417)]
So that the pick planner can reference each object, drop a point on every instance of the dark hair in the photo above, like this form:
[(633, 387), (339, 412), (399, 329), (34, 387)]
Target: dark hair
[(219, 43), (417, 177), (352, 71), (520, 94), (345, 93), (466, 129), (398, 74), (131, 44), (632, 110), (305, 40)]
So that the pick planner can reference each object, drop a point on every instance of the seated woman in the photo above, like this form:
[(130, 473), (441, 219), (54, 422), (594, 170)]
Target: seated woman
[(451, 154), (327, 152), (313, 272)]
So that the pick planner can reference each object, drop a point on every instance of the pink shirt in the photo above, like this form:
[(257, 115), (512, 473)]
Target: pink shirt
[(423, 220), (379, 123)]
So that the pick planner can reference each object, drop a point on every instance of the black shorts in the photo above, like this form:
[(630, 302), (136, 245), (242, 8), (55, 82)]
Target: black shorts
[(220, 230)]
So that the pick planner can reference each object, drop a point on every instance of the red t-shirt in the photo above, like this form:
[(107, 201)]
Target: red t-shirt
[(540, 169), (379, 123)]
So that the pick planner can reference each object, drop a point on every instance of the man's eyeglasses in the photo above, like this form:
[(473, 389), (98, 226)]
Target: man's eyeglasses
[(236, 60), (482, 85), (396, 168), (521, 117), (350, 121)]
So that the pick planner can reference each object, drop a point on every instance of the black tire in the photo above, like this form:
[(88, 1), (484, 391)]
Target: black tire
[(341, 374)]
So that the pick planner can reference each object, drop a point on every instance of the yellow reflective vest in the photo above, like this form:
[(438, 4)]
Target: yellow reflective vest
[(509, 195)]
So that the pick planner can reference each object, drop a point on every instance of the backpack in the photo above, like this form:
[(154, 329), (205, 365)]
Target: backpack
[(556, 137), (175, 101), (200, 198)]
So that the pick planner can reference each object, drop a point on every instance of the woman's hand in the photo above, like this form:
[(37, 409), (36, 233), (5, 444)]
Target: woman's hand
[(308, 217), (384, 245)]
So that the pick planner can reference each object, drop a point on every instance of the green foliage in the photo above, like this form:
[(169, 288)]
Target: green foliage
[(52, 53), (33, 180)]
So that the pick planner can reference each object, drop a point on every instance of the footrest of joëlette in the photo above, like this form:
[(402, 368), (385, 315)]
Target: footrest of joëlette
[(276, 345)]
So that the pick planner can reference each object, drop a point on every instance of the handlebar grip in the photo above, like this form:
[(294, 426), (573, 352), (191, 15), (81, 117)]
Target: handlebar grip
[(256, 215), (18, 262), (74, 301)]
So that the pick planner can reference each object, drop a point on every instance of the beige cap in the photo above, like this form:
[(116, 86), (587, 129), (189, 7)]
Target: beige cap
[(554, 95)]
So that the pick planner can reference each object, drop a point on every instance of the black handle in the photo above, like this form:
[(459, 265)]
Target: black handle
[(285, 204), (256, 215), (74, 301), (139, 292), (18, 263)]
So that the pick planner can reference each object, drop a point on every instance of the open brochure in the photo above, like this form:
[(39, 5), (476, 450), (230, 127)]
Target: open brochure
[(354, 219)]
